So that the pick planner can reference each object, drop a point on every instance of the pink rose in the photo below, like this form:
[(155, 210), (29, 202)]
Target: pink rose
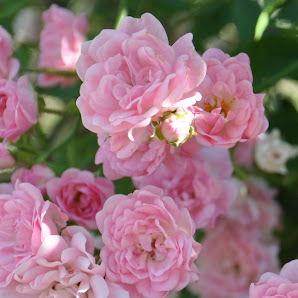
[(38, 176), (149, 247), (80, 195), (64, 266), (60, 44), (25, 222), (6, 159), (272, 285), (199, 182), (231, 259), (229, 110), (8, 66), (131, 76), (18, 108), (143, 162), (11, 292)]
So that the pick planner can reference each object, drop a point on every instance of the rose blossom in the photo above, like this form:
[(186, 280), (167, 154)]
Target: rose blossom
[(149, 246), (231, 259), (131, 76), (199, 182), (60, 44), (8, 66), (25, 222), (80, 195), (18, 108), (6, 159), (271, 153), (272, 285), (229, 110), (64, 266), (38, 176), (143, 162)]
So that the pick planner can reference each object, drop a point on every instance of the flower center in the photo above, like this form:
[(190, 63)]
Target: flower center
[(215, 102)]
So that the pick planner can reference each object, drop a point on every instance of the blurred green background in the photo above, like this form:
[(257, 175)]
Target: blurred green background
[(267, 30)]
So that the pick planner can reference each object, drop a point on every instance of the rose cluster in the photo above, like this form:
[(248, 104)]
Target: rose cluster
[(165, 116)]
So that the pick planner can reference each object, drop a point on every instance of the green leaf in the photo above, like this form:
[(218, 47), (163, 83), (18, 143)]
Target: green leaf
[(124, 186), (8, 7), (263, 21), (262, 24)]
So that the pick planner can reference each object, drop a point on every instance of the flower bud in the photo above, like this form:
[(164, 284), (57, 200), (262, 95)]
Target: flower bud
[(175, 127), (272, 153)]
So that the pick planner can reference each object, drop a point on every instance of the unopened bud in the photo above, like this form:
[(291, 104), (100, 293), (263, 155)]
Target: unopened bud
[(175, 127)]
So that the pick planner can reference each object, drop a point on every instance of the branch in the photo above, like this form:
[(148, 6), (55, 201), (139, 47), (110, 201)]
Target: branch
[(64, 73), (275, 78)]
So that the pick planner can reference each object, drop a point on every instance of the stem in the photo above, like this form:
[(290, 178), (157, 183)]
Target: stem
[(239, 173), (57, 112), (47, 153), (274, 79), (64, 73)]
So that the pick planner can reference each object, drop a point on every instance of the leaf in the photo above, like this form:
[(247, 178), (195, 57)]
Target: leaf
[(262, 24), (263, 21), (8, 7), (124, 186)]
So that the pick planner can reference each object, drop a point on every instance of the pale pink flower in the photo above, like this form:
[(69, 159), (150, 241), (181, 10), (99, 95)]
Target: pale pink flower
[(25, 222), (229, 111), (284, 285), (8, 66), (116, 291), (144, 161), (64, 266), (199, 182), (11, 292), (60, 44), (18, 108), (231, 259), (149, 247), (38, 176), (6, 159), (131, 76), (80, 195)]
